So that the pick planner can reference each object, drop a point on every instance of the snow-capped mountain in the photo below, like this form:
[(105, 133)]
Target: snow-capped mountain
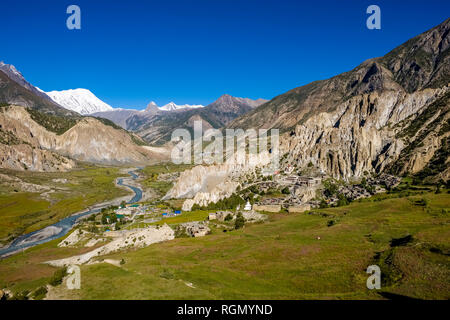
[(82, 101), (172, 106)]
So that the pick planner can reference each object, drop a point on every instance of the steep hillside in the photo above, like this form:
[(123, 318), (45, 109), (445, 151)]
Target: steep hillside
[(27, 142), (362, 121), (422, 62), (12, 92)]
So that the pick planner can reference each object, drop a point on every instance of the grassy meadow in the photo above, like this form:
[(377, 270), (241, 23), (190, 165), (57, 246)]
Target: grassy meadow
[(151, 174), (280, 259), (23, 212)]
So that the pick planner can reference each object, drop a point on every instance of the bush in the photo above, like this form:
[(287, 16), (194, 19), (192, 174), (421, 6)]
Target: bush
[(40, 293), (58, 277), (228, 217), (240, 221), (122, 262), (21, 295), (343, 201), (285, 190), (323, 204)]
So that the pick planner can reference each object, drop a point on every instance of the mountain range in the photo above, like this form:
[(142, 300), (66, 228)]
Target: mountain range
[(81, 101), (389, 114), (155, 125)]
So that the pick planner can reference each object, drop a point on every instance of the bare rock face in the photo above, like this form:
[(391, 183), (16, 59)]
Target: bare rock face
[(202, 185), (389, 113), (139, 238), (21, 150), (36, 148), (362, 135)]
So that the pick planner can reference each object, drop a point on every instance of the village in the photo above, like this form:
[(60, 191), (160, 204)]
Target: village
[(141, 224)]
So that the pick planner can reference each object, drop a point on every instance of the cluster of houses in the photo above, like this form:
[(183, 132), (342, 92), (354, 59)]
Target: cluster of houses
[(387, 180), (131, 212), (300, 181)]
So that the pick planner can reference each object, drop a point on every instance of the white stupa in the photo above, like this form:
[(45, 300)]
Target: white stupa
[(248, 206)]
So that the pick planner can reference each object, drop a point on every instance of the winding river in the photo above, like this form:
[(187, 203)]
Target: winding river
[(63, 226)]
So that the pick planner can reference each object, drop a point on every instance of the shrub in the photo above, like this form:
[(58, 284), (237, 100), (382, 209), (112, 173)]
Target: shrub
[(122, 262), (21, 295), (58, 277), (40, 293), (240, 221), (228, 217)]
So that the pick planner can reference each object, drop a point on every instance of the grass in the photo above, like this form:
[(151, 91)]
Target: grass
[(284, 259), (151, 174), (23, 212), (280, 259), (198, 215)]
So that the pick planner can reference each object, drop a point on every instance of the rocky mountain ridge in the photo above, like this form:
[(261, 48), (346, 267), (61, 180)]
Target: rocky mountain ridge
[(156, 125), (352, 124)]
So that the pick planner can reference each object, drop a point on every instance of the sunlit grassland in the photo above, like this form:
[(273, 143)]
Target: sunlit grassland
[(23, 212), (151, 174), (284, 259), (280, 259), (26, 270), (197, 215)]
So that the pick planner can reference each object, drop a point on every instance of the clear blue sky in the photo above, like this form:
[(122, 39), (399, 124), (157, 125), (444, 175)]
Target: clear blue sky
[(192, 51)]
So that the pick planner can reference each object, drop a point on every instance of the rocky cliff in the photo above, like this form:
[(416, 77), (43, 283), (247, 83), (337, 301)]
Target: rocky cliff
[(355, 122), (32, 146)]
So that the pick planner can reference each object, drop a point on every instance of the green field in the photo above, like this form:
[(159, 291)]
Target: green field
[(151, 176), (23, 212), (279, 259)]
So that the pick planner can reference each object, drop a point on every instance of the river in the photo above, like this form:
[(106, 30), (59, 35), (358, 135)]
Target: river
[(62, 227)]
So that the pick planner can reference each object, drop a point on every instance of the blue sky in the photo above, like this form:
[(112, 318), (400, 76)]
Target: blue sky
[(192, 51)]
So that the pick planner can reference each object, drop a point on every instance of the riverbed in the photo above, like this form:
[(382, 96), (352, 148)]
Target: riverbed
[(62, 227)]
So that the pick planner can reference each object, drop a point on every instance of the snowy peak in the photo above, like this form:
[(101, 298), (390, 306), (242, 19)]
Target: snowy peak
[(152, 107), (82, 101), (172, 106)]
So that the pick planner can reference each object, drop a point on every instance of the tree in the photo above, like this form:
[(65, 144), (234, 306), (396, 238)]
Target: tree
[(323, 204), (343, 201), (330, 188), (105, 218), (240, 221), (285, 190)]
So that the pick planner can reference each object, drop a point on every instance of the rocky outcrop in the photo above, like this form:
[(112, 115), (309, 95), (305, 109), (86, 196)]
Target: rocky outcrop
[(137, 238), (88, 140), (353, 123), (208, 184), (362, 135)]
